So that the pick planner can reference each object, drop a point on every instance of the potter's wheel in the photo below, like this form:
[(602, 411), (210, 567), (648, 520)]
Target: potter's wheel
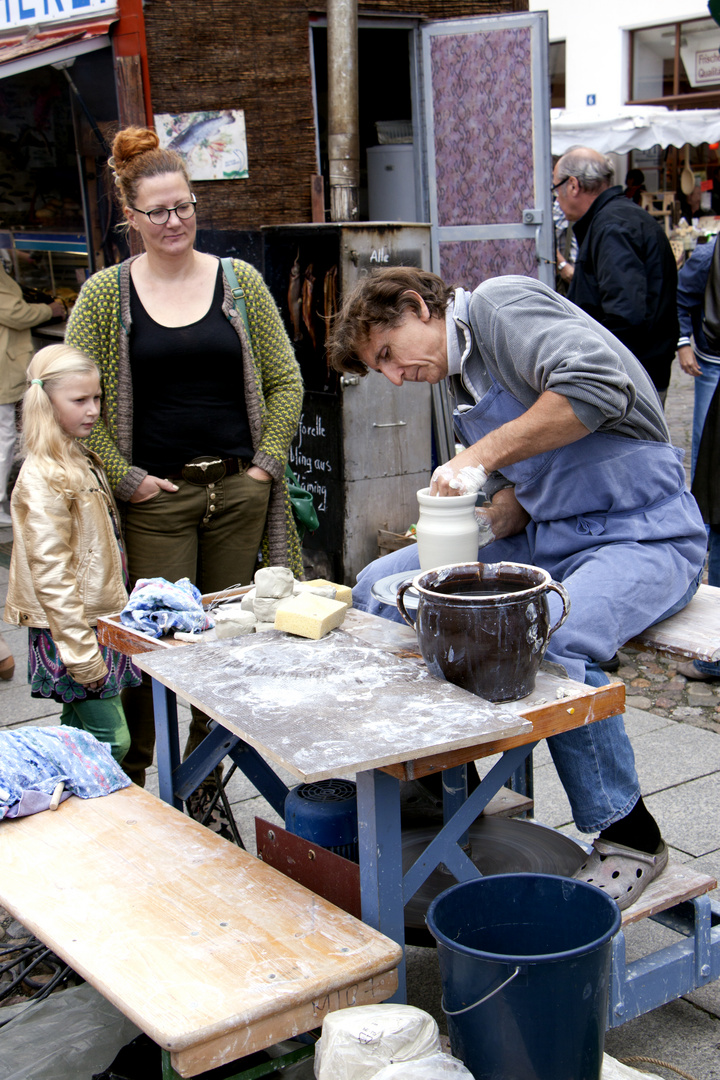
[(499, 845), (386, 589)]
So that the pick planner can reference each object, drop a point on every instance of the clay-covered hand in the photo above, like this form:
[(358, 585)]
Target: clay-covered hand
[(448, 480), (504, 517)]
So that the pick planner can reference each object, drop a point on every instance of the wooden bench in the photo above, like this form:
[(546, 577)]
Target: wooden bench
[(694, 632), (206, 949)]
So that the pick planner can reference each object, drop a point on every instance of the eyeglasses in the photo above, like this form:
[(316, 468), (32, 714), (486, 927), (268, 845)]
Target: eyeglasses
[(559, 184), (161, 214)]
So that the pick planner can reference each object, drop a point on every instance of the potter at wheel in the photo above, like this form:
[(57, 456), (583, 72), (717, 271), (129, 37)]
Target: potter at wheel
[(499, 845), (385, 589)]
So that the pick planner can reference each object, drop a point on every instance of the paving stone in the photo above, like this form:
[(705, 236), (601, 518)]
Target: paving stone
[(700, 694), (639, 702)]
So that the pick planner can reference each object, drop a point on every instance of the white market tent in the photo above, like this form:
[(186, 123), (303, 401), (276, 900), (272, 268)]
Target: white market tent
[(632, 128)]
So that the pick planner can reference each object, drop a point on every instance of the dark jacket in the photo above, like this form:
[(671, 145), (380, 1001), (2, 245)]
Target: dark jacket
[(626, 278), (692, 280), (706, 481)]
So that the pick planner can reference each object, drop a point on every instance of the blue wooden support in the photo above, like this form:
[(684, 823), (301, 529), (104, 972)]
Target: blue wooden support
[(178, 779), (167, 743), (668, 973), (380, 850)]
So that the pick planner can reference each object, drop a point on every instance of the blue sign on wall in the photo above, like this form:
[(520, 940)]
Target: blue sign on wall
[(590, 99)]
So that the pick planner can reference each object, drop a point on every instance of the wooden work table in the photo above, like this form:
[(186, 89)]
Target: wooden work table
[(359, 703)]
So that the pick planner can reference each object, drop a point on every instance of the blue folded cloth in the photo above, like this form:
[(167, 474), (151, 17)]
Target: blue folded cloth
[(33, 761), (157, 606)]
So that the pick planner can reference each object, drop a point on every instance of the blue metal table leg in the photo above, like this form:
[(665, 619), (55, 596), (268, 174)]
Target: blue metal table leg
[(260, 775), (166, 741), (380, 847), (455, 790)]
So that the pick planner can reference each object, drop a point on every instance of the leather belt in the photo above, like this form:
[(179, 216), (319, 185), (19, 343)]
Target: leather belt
[(208, 470)]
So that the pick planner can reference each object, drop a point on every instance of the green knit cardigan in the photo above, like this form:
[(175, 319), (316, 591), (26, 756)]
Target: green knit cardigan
[(100, 326)]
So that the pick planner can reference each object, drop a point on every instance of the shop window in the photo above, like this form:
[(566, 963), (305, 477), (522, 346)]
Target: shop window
[(676, 65)]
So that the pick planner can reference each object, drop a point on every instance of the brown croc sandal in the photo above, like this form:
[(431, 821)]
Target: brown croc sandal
[(7, 668), (622, 872)]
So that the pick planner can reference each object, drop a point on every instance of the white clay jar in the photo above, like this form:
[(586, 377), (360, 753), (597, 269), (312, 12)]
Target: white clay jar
[(447, 531)]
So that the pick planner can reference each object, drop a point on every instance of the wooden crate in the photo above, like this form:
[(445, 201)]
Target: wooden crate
[(391, 541)]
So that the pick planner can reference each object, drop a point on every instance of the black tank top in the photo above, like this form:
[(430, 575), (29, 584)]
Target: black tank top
[(188, 389)]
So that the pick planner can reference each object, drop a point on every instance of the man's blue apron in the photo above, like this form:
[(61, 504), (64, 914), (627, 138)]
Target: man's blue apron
[(612, 520)]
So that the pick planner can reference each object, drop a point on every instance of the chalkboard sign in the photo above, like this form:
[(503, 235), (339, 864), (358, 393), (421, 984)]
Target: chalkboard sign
[(316, 460)]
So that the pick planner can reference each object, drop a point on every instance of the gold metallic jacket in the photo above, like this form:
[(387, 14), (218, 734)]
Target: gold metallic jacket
[(66, 568)]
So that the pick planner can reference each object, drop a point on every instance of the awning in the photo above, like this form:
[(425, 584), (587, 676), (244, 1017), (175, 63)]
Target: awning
[(632, 128), (51, 45)]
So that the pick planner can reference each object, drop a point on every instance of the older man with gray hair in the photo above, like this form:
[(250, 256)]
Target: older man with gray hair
[(625, 276)]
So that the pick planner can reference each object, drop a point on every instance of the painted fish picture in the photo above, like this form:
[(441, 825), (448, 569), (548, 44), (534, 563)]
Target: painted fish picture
[(212, 144)]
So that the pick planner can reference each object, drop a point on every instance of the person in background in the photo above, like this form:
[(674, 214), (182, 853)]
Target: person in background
[(17, 319), (625, 275), (197, 418), (634, 185), (694, 354), (697, 359), (563, 430), (66, 568)]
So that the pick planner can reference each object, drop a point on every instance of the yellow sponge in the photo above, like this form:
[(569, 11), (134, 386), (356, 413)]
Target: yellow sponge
[(309, 615), (342, 592)]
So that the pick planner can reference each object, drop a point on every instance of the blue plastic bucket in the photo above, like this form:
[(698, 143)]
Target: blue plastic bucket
[(525, 966)]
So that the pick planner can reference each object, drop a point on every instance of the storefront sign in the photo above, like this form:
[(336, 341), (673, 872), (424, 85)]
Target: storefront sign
[(26, 13), (701, 58)]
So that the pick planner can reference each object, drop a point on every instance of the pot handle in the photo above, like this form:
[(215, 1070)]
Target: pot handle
[(563, 594), (400, 602)]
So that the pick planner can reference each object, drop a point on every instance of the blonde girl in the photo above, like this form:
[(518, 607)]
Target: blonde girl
[(67, 564)]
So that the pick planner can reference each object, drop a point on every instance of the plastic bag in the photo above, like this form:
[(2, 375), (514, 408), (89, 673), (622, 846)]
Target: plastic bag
[(357, 1043), (71, 1034), (615, 1070), (436, 1067)]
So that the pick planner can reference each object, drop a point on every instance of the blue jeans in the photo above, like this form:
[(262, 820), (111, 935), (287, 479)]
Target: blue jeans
[(704, 389), (595, 763), (705, 666)]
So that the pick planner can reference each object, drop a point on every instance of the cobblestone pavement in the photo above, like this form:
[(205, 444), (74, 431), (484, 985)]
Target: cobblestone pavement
[(651, 679)]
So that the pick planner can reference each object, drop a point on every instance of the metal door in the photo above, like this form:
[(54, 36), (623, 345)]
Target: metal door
[(486, 105)]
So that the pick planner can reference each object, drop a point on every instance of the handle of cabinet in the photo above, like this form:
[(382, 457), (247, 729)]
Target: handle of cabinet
[(397, 423)]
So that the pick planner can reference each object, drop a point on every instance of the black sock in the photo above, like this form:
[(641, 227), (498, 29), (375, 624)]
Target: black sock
[(638, 830)]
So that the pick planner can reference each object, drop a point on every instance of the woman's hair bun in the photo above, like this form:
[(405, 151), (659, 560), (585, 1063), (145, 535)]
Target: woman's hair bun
[(130, 142)]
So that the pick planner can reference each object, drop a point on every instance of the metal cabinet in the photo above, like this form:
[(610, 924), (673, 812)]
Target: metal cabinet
[(363, 446)]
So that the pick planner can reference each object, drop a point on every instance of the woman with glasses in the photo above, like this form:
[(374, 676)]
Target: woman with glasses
[(197, 420)]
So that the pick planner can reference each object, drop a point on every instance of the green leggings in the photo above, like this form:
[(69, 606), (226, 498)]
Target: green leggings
[(102, 717)]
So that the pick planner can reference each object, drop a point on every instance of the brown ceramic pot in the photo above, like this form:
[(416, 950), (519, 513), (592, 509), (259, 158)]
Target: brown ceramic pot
[(484, 626)]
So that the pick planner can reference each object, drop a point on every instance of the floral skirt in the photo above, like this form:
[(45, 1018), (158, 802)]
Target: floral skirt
[(49, 678)]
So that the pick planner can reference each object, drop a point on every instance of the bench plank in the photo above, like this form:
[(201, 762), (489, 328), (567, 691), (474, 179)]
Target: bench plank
[(694, 632), (209, 951), (676, 884)]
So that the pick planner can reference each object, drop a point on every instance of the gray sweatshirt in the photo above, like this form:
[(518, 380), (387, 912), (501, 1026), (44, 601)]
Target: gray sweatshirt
[(518, 332)]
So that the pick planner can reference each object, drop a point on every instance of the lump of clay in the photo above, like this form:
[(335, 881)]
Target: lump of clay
[(274, 581), (309, 616), (319, 590), (265, 608), (232, 621), (248, 600)]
